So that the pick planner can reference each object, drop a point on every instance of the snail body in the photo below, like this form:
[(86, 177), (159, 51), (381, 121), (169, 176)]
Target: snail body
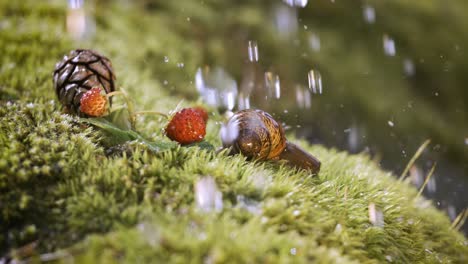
[(258, 136)]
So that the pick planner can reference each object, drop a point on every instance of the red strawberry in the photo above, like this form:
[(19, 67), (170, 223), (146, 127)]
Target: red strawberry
[(93, 103), (202, 112), (187, 126)]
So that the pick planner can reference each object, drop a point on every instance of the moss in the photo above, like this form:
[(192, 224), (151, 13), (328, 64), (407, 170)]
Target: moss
[(64, 188)]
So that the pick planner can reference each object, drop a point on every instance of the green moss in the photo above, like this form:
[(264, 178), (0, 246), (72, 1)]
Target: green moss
[(61, 186)]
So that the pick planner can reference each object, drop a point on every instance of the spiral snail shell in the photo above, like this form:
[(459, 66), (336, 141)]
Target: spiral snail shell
[(255, 134)]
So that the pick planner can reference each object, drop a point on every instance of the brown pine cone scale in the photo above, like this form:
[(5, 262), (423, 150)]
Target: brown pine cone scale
[(77, 73)]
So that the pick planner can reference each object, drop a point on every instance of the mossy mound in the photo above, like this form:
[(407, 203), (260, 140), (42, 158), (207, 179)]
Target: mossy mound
[(63, 190)]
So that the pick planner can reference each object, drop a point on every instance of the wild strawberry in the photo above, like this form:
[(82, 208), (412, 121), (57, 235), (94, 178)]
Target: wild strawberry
[(187, 126), (93, 103), (202, 112)]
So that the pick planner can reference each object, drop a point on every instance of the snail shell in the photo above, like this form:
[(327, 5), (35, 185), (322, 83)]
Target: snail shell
[(256, 135)]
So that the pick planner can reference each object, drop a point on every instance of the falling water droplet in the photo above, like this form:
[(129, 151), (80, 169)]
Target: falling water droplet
[(293, 251), (253, 51), (390, 123), (79, 24), (243, 102), (389, 45), (431, 186), (286, 21), (272, 84), (303, 98), (166, 59), (408, 67), (369, 14), (416, 176), (216, 87), (296, 3), (315, 81), (314, 42), (207, 196)]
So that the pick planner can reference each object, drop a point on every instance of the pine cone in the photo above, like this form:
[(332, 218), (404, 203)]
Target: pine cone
[(77, 73)]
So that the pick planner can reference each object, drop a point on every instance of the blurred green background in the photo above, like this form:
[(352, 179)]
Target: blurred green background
[(393, 74)]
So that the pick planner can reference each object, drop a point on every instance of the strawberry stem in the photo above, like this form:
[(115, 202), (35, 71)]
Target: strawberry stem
[(151, 113)]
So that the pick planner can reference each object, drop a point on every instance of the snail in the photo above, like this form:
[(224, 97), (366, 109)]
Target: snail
[(256, 135)]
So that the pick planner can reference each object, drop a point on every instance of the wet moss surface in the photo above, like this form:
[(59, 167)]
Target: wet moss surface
[(63, 190)]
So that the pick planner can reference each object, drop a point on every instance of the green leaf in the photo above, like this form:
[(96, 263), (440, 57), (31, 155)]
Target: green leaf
[(202, 144), (116, 135)]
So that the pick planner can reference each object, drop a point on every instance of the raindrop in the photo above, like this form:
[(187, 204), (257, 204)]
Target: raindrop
[(229, 132), (286, 21), (338, 228), (315, 81), (416, 176), (74, 4), (408, 67), (376, 216), (165, 82), (293, 251), (79, 24), (369, 14), (451, 211), (303, 98), (243, 102), (353, 138), (296, 3), (390, 123), (180, 64), (207, 196), (253, 51), (217, 88), (314, 42), (166, 59), (389, 45), (252, 206), (272, 84), (431, 185)]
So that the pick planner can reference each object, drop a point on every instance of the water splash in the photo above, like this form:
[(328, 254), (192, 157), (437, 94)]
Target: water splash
[(376, 216), (207, 196), (369, 14), (273, 85), (229, 132), (315, 81), (252, 206), (253, 51), (217, 88), (389, 45)]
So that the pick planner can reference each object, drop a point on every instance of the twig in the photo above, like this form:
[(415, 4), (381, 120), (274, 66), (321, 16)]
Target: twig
[(414, 158), (460, 220), (428, 177)]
